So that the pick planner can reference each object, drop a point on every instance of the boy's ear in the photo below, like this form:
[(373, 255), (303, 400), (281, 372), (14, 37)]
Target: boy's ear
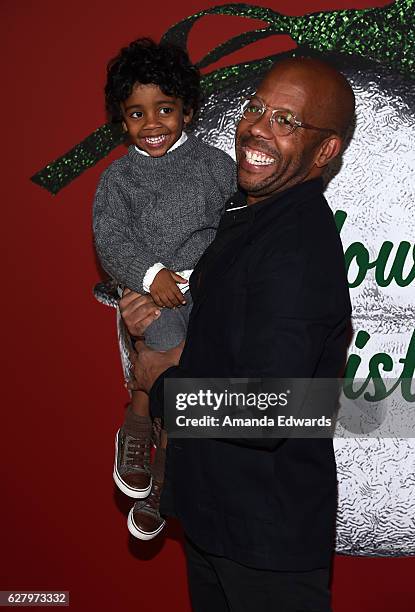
[(187, 116), (124, 126)]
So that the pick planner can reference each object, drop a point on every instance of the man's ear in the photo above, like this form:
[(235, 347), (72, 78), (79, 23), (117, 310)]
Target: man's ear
[(328, 150)]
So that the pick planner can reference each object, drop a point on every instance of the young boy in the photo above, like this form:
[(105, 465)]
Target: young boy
[(155, 212)]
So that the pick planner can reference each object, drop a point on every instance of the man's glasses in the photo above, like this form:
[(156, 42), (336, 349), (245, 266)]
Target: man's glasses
[(283, 122)]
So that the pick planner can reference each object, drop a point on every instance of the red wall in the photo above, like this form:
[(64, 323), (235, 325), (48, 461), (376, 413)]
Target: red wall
[(61, 525)]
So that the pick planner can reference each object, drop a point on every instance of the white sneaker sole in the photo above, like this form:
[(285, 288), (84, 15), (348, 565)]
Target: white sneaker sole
[(137, 532), (123, 486)]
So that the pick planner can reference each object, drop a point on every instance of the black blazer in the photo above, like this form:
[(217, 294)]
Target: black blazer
[(270, 300)]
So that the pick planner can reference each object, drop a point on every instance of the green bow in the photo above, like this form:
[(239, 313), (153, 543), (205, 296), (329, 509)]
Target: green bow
[(383, 35)]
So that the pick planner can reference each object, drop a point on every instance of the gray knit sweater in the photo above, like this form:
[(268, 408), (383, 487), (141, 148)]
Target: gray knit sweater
[(166, 209)]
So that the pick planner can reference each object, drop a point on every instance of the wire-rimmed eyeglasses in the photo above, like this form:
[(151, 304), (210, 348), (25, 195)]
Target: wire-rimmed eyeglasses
[(283, 121)]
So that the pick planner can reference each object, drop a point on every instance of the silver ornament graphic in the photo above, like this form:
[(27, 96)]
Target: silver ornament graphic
[(373, 188)]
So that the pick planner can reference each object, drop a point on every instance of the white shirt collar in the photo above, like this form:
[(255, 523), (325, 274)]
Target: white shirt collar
[(179, 142)]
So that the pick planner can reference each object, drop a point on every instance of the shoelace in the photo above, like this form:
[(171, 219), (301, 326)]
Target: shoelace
[(137, 451)]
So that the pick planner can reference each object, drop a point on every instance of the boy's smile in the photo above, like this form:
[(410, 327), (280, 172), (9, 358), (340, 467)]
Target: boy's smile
[(153, 120)]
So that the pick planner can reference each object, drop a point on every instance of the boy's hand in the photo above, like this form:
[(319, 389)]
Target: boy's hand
[(164, 290)]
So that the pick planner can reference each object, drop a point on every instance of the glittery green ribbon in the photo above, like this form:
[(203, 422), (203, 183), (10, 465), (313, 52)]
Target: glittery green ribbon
[(385, 35)]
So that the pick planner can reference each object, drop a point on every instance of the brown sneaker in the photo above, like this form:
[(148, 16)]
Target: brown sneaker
[(144, 520), (156, 433), (131, 466)]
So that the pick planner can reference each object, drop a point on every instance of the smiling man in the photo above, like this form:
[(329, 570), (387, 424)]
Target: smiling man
[(270, 300)]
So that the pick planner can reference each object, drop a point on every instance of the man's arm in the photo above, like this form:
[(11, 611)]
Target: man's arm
[(138, 312), (287, 320), (288, 323), (283, 339)]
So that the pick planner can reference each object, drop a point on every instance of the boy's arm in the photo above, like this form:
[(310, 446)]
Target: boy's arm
[(232, 183), (223, 168), (119, 251)]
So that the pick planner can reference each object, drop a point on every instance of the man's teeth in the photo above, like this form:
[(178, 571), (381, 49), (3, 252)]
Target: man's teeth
[(155, 140), (258, 159)]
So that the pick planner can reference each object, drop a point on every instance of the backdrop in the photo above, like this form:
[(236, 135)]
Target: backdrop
[(63, 527)]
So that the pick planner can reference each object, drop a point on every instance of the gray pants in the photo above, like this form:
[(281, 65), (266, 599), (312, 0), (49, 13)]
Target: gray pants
[(170, 328)]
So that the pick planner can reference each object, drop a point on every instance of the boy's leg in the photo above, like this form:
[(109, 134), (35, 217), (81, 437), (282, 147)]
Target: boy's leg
[(170, 328), (144, 520), (132, 449), (139, 404)]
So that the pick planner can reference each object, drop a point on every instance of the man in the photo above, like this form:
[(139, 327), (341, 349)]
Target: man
[(270, 301)]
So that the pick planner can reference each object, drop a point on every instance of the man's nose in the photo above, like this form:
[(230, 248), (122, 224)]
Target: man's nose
[(262, 127)]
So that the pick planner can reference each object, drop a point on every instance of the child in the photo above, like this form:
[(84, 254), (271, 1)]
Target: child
[(155, 212)]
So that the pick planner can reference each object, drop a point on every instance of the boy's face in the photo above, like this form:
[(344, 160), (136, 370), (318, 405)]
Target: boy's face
[(153, 120)]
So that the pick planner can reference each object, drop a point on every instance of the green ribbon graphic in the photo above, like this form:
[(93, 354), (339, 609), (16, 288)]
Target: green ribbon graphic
[(385, 35)]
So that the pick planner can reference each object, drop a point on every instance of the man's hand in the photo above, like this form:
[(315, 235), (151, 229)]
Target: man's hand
[(150, 364), (165, 291), (138, 311)]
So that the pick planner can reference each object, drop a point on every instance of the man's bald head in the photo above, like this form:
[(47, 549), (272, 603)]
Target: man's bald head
[(321, 104), (331, 98)]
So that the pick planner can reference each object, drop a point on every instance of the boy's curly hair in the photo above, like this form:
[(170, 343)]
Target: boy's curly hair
[(147, 62)]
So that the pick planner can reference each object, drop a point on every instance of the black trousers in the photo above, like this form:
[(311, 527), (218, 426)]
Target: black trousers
[(218, 584)]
